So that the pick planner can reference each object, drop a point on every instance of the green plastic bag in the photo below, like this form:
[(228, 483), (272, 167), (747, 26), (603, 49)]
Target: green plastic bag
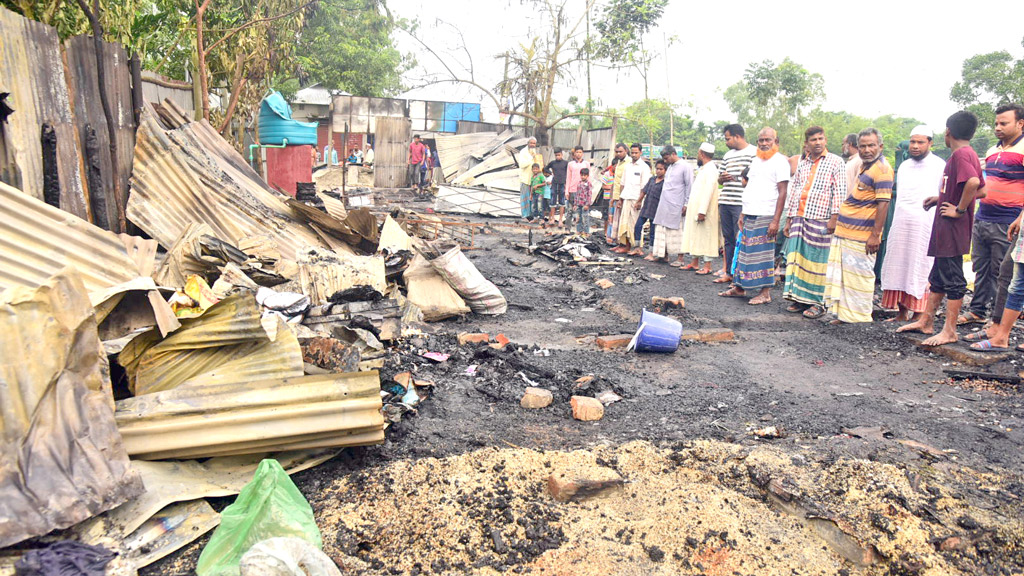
[(269, 506)]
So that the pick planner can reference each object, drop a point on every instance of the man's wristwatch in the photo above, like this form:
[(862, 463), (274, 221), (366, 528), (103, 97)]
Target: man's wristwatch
[(961, 210)]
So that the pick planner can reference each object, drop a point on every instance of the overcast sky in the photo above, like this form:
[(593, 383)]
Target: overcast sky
[(890, 58)]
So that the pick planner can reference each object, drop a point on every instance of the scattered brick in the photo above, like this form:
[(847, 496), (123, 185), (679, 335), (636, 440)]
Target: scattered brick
[(467, 338), (586, 408), (582, 482), (604, 283), (716, 335), (613, 341), (661, 303), (536, 398)]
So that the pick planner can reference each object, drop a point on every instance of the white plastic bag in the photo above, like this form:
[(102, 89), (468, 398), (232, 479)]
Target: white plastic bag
[(482, 296)]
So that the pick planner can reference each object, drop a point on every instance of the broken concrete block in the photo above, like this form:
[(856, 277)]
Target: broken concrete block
[(613, 341), (608, 397), (668, 302), (604, 283), (586, 408), (536, 398), (960, 352), (330, 354), (691, 335), (582, 481), (474, 338), (716, 335)]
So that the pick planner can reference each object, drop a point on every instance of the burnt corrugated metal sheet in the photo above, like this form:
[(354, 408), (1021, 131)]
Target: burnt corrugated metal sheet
[(391, 147), (88, 114), (226, 344), (250, 417), (32, 70), (38, 240), (61, 457), (191, 174)]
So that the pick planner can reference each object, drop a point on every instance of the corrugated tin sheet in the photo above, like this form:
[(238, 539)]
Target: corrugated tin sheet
[(32, 70), (391, 148), (88, 113), (250, 417), (226, 344), (38, 240), (191, 174), (61, 457)]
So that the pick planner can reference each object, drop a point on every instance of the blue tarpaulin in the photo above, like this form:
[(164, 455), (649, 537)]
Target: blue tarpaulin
[(276, 123), (455, 111)]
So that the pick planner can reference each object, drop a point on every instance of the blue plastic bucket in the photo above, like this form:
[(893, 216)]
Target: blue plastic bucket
[(657, 333)]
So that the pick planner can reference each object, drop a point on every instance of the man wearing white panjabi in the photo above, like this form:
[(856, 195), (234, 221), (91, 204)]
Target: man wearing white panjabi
[(907, 264)]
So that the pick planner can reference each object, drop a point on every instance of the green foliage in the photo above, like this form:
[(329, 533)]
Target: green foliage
[(837, 125), (348, 45), (775, 96), (988, 80), (622, 25)]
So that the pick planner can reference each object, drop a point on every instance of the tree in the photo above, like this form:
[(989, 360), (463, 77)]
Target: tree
[(348, 45), (987, 81), (533, 69), (776, 96), (623, 26)]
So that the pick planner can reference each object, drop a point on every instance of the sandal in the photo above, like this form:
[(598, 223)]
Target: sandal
[(814, 312), (796, 307), (976, 336), (676, 264), (986, 345), (969, 318), (732, 293), (703, 272)]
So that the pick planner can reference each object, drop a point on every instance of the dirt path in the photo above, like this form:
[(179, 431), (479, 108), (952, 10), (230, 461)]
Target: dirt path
[(808, 378)]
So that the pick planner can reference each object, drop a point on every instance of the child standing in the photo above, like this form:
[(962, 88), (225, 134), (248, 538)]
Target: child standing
[(581, 202), (537, 184), (559, 168), (546, 197)]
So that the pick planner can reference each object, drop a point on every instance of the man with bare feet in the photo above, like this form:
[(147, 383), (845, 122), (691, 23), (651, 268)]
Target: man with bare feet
[(963, 183)]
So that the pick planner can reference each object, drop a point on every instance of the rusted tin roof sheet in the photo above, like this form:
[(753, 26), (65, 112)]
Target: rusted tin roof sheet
[(226, 344), (249, 417), (191, 174), (38, 240), (32, 70), (61, 457)]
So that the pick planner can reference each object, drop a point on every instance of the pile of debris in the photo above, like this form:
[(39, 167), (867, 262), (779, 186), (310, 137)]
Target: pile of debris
[(141, 375), (481, 172)]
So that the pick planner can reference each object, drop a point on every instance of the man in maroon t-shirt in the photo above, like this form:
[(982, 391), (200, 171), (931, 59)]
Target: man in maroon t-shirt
[(417, 150), (962, 184)]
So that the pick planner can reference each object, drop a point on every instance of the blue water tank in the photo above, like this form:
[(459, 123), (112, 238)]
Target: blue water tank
[(276, 123)]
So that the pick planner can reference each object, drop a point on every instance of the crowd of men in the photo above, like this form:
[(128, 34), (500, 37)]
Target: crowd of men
[(817, 221)]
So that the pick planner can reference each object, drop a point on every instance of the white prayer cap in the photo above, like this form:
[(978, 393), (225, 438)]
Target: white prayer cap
[(707, 148), (921, 130)]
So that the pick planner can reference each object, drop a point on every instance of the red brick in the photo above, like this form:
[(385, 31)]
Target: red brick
[(691, 335), (604, 283), (716, 335), (668, 302), (536, 398), (500, 341), (466, 338), (586, 408), (613, 341), (582, 481)]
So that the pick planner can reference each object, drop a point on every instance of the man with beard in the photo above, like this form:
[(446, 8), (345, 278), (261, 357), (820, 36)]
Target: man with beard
[(996, 211), (701, 236), (675, 192), (850, 147), (615, 203), (730, 199), (907, 264), (963, 182), (764, 199), (812, 208), (851, 260), (636, 175)]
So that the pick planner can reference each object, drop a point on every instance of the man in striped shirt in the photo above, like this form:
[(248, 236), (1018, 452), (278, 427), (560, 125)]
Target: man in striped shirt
[(730, 199), (851, 260), (996, 211)]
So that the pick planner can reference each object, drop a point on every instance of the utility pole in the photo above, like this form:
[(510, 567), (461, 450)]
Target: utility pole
[(590, 98), (668, 88)]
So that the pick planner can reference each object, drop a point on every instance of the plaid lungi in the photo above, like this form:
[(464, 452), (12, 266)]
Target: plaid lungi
[(667, 241)]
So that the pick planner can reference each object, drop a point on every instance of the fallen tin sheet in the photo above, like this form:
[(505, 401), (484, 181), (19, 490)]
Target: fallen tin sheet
[(226, 344), (190, 174), (331, 410), (37, 241), (392, 237), (61, 457), (477, 201), (324, 272)]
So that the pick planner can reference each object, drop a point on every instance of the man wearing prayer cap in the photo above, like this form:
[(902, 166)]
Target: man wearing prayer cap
[(702, 238), (906, 265)]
